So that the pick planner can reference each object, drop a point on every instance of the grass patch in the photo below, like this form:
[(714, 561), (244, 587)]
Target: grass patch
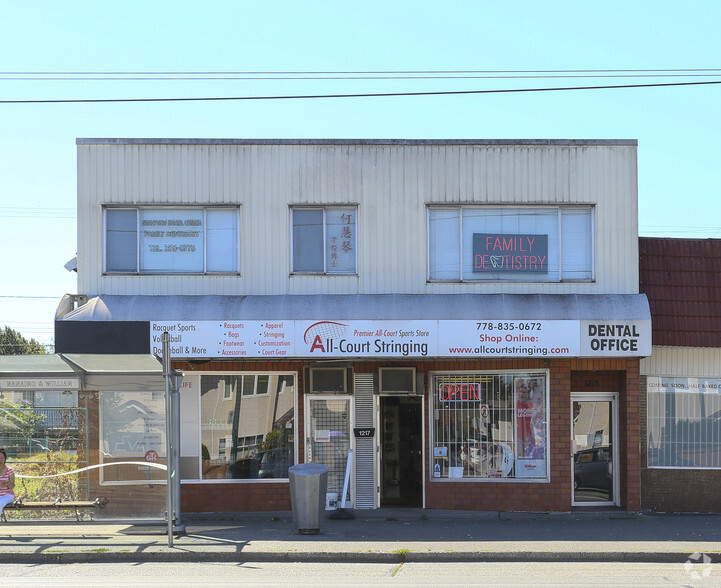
[(46, 464), (47, 489), (403, 553)]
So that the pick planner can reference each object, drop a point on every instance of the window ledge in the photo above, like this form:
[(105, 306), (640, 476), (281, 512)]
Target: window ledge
[(321, 275), (169, 274)]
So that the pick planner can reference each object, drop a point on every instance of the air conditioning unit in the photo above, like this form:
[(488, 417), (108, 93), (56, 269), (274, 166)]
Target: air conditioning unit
[(399, 381), (331, 380)]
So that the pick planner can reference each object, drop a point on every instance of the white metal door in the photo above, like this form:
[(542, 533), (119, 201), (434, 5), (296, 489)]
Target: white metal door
[(328, 422)]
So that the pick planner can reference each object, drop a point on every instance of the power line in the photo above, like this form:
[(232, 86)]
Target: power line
[(21, 212), (278, 77), (32, 297), (363, 95), (578, 72)]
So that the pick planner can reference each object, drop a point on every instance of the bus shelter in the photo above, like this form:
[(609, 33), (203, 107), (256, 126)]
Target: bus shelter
[(87, 436)]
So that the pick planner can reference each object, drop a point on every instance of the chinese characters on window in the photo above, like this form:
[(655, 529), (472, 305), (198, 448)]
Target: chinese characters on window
[(324, 240)]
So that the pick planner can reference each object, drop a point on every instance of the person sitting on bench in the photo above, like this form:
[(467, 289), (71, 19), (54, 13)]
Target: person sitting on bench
[(7, 481)]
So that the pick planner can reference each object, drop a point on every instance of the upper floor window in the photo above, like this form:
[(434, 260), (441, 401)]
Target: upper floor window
[(177, 240), (324, 240), (510, 244)]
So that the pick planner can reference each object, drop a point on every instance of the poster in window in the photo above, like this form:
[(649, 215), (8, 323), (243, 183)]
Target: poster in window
[(131, 425), (171, 240), (530, 427)]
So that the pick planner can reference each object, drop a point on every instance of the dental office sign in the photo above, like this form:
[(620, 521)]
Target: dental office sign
[(403, 338), (500, 253)]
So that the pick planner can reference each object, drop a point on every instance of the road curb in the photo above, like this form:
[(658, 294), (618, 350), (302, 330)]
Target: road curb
[(181, 555)]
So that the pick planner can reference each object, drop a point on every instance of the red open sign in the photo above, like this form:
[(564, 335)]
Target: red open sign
[(459, 392)]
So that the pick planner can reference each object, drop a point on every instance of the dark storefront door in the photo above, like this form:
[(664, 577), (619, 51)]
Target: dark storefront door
[(401, 451)]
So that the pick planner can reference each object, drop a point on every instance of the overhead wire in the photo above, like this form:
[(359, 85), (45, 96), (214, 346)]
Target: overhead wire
[(259, 77), (353, 95), (389, 74), (24, 212)]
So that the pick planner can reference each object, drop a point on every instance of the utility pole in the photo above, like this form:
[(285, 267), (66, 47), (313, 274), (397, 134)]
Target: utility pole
[(171, 439)]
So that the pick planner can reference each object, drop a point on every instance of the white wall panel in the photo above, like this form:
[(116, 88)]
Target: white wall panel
[(682, 362), (391, 183)]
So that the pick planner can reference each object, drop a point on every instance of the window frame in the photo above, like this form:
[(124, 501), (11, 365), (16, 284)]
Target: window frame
[(254, 392), (480, 280), (513, 374), (662, 391), (169, 207), (325, 271)]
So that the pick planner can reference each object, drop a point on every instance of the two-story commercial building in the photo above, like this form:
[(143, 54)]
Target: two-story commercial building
[(464, 315)]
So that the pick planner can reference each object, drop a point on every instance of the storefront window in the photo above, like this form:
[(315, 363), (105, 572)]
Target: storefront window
[(489, 426), (246, 425), (684, 422)]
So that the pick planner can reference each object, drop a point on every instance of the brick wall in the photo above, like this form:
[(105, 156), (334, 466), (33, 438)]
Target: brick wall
[(241, 496)]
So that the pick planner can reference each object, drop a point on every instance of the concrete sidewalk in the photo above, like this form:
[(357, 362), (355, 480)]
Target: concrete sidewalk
[(384, 535)]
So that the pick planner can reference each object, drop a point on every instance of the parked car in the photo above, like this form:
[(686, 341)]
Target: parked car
[(592, 468), (274, 463)]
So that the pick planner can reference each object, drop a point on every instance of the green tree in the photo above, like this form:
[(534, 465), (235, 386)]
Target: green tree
[(13, 343), (17, 421)]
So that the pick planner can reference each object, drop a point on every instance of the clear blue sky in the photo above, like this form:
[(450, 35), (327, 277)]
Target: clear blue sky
[(677, 128)]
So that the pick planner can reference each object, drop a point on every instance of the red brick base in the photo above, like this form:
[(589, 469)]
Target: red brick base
[(222, 497)]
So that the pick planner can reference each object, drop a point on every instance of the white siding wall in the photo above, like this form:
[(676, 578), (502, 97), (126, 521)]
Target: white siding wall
[(391, 184), (683, 362)]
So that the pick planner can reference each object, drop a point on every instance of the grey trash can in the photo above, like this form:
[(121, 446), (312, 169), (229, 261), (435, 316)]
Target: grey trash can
[(308, 482)]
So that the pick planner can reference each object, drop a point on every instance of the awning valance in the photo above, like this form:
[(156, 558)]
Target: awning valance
[(364, 325), (364, 306)]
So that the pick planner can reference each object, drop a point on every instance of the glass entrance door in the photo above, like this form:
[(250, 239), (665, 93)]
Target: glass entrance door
[(593, 441), (328, 438)]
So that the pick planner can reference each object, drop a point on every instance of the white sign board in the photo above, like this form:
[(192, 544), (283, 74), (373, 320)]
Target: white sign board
[(621, 338), (39, 384), (403, 338)]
